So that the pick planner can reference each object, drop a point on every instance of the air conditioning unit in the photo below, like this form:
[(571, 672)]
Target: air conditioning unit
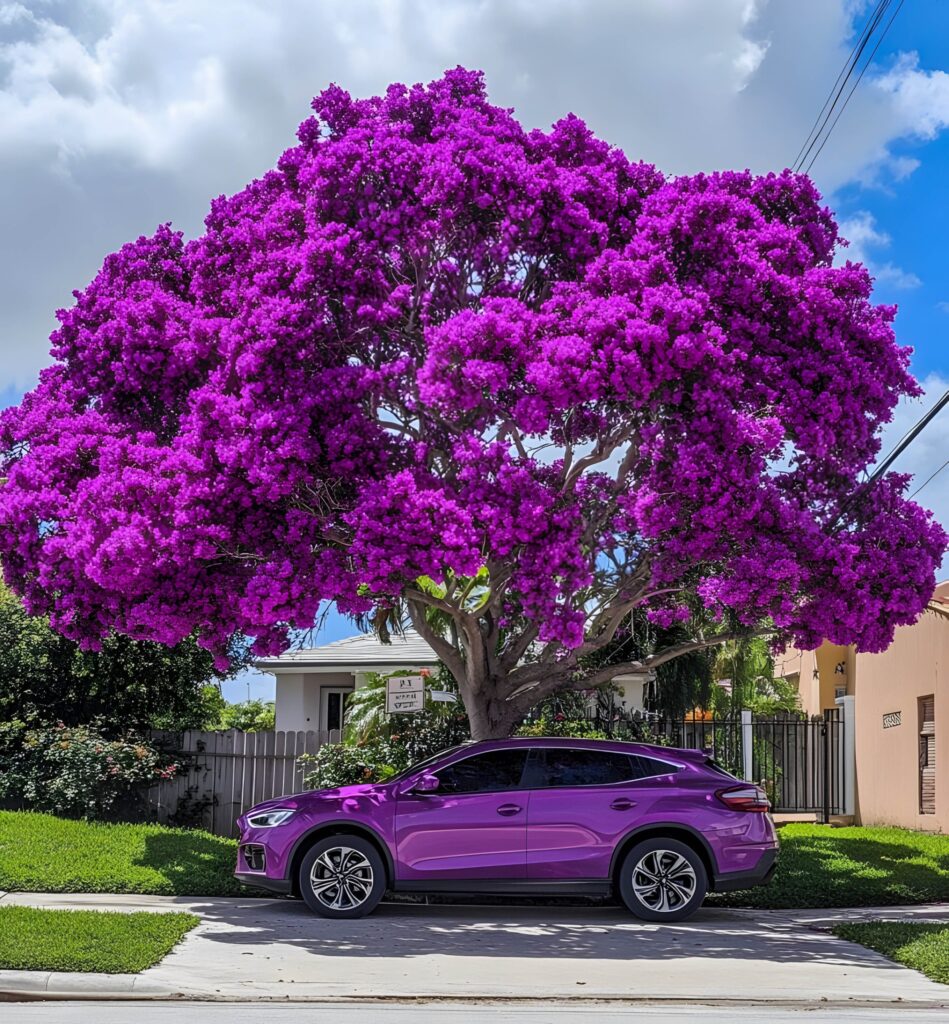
[(840, 691)]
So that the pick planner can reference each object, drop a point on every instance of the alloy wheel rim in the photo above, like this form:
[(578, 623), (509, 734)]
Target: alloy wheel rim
[(664, 881), (341, 878)]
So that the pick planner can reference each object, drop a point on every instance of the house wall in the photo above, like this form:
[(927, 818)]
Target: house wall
[(801, 668), (290, 705), (817, 675), (915, 665), (297, 699)]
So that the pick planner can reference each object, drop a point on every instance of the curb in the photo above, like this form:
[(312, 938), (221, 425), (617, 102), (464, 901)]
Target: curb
[(52, 986), (157, 994)]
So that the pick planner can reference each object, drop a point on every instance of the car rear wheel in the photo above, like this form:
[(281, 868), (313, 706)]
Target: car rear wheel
[(342, 876), (663, 880)]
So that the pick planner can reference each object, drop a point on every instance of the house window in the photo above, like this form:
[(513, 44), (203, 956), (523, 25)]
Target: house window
[(927, 755)]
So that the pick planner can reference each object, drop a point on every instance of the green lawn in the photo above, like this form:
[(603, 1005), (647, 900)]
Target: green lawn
[(87, 940), (852, 867), (818, 866), (924, 947), (40, 853)]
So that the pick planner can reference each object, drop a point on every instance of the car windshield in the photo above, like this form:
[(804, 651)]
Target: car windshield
[(418, 766)]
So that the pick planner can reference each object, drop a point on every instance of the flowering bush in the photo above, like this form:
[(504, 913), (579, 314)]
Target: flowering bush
[(75, 771), (342, 764), (552, 381)]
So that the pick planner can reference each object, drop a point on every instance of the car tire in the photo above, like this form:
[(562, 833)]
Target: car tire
[(662, 880), (342, 876)]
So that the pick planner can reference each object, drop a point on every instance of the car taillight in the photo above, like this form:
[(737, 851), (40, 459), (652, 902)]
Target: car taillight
[(744, 798)]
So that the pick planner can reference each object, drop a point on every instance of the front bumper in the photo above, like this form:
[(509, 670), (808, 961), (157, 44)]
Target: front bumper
[(760, 874), (280, 886)]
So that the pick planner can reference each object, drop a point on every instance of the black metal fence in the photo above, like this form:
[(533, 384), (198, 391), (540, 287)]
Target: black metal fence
[(799, 761)]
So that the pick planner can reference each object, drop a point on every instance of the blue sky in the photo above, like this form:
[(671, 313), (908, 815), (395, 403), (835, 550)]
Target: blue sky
[(116, 115), (914, 213)]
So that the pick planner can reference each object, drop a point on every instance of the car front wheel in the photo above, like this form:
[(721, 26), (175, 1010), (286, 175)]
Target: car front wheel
[(342, 876), (663, 880)]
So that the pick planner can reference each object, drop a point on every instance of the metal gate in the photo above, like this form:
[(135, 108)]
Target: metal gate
[(798, 761)]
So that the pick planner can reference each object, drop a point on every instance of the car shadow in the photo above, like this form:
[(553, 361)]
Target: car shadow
[(595, 933)]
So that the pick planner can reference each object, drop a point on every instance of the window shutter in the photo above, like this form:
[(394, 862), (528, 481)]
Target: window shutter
[(927, 755)]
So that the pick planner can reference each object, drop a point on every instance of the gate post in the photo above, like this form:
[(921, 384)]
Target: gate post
[(849, 765), (747, 746)]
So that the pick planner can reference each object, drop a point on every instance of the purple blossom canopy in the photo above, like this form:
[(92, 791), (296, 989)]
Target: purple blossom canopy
[(431, 343)]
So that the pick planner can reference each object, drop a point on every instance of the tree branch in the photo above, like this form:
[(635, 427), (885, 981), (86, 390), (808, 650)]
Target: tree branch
[(446, 651)]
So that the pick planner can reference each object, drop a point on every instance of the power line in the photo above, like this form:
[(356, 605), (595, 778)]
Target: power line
[(929, 479), (839, 85), (833, 108), (908, 438), (853, 88)]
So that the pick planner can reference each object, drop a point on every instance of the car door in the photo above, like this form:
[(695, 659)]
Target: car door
[(473, 826), (582, 802)]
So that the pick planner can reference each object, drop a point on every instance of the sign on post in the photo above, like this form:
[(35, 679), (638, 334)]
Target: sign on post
[(405, 694)]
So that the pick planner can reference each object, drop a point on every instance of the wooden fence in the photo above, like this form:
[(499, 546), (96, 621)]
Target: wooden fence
[(228, 772)]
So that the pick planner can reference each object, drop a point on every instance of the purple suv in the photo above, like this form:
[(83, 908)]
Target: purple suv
[(657, 826)]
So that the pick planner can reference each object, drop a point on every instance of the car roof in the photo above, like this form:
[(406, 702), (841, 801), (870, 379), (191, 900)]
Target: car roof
[(569, 743)]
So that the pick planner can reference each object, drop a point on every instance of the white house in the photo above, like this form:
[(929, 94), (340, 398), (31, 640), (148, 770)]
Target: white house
[(312, 683)]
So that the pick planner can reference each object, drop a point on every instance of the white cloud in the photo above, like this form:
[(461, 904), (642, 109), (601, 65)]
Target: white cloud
[(862, 233), (920, 98), (116, 115)]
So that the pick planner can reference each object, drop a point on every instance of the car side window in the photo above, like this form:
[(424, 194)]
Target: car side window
[(492, 772), (648, 768), (555, 767)]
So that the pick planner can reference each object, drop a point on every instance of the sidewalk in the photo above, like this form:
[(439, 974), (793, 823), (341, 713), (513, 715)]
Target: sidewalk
[(256, 949)]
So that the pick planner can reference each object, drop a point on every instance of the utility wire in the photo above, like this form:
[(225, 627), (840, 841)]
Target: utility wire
[(853, 88), (929, 479), (836, 102), (908, 438), (839, 85)]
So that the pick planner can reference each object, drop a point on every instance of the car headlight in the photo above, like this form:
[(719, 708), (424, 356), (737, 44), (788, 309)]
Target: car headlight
[(267, 819)]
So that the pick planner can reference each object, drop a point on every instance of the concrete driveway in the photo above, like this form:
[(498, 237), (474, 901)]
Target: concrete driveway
[(274, 949)]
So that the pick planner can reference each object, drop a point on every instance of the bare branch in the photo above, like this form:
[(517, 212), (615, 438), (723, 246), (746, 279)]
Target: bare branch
[(446, 651)]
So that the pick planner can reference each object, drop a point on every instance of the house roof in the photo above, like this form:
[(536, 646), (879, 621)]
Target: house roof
[(940, 599), (356, 652)]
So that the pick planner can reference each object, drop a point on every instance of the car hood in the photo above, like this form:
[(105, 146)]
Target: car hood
[(301, 801)]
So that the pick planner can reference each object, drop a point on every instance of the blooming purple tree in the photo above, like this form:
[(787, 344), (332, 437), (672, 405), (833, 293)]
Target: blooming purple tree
[(436, 363)]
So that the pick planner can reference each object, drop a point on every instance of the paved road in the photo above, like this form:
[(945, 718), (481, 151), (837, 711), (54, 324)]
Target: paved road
[(265, 949), (335, 1013)]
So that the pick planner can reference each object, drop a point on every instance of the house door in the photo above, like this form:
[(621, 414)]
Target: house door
[(332, 703)]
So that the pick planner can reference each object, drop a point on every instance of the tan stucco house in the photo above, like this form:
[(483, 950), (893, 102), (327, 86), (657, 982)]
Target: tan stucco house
[(901, 715)]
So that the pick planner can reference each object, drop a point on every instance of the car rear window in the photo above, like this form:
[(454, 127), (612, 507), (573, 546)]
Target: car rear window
[(558, 768), (719, 770)]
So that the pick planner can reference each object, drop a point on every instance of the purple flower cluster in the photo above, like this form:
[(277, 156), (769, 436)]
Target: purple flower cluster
[(429, 342)]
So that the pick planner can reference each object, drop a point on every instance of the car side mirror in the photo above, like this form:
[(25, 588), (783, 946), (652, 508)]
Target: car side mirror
[(425, 784)]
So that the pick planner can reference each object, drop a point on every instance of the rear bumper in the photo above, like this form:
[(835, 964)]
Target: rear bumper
[(760, 874)]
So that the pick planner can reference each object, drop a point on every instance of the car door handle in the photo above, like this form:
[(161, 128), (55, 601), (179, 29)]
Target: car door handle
[(508, 809), (622, 803)]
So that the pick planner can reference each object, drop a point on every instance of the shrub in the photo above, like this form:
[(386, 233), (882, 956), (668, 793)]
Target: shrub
[(75, 771), (561, 725), (343, 764), (248, 716)]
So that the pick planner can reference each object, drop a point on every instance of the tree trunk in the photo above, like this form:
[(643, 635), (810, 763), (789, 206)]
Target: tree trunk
[(488, 716)]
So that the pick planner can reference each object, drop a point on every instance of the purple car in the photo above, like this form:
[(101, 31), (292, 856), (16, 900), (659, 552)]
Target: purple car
[(658, 827)]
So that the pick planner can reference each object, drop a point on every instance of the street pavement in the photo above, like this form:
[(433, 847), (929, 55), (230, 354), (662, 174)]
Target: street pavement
[(252, 949)]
